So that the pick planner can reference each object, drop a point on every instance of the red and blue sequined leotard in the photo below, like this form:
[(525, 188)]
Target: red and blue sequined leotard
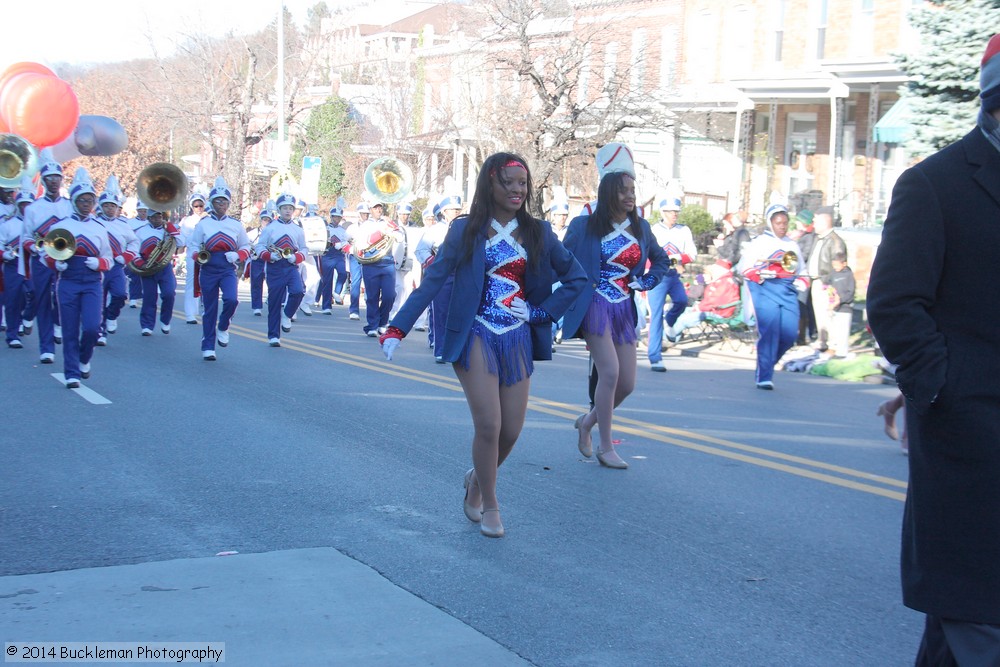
[(505, 340), (612, 305)]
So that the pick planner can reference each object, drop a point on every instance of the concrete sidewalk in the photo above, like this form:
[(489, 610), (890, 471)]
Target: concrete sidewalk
[(301, 607)]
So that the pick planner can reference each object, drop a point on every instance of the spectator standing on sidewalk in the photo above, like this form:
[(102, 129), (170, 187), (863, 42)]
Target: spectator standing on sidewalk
[(828, 243)]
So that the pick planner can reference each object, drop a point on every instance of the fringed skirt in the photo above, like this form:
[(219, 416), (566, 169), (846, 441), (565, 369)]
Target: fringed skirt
[(618, 317), (506, 355)]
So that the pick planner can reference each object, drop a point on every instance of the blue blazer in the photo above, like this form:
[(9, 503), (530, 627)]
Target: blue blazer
[(557, 265), (587, 249)]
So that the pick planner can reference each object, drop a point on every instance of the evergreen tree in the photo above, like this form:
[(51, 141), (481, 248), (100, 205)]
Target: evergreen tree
[(944, 74), (329, 133)]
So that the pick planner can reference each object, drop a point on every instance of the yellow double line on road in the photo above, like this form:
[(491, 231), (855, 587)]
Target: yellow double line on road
[(828, 473)]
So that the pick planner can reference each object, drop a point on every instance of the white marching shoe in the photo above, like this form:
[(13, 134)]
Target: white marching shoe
[(47, 358), (257, 312), (57, 333), (222, 337), (208, 355), (274, 342), (165, 328), (112, 326), (102, 341), (85, 371), (304, 307), (354, 316), (286, 323), (147, 332)]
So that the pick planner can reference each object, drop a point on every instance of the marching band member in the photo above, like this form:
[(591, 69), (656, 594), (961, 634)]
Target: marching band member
[(256, 265), (78, 286), (40, 216), (333, 260), (134, 280), (314, 229), (505, 261), (7, 211), (379, 276), (282, 247), (446, 210), (774, 282), (613, 245), (407, 267), (163, 283), (677, 243), (124, 249), (187, 225), (15, 285), (354, 266), (227, 243)]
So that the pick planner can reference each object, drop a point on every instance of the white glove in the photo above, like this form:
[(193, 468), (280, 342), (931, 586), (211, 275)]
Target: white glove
[(37, 249), (519, 309), (232, 257), (92, 263), (9, 255), (61, 266), (120, 259), (275, 256), (339, 245), (767, 274), (389, 346), (801, 286), (636, 285), (291, 258)]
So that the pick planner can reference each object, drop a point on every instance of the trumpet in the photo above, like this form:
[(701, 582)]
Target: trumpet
[(203, 255), (59, 244), (788, 260), (284, 252)]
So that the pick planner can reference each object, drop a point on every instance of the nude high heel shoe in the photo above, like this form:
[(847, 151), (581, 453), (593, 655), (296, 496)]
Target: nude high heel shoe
[(491, 532), (472, 513), (890, 420)]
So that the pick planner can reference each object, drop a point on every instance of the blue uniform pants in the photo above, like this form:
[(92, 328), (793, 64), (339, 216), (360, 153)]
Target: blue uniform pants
[(331, 265), (777, 311), (134, 286), (257, 284), (380, 292), (670, 286), (355, 305), (283, 279), (164, 282), (43, 305), (80, 298), (215, 277), (115, 292), (15, 295)]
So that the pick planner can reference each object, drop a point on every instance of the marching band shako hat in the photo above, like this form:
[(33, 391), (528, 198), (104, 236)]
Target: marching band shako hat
[(614, 158), (300, 204), (112, 192), (312, 209), (338, 210), (560, 208), (670, 204), (560, 202), (450, 202), (26, 194), (363, 207), (404, 209), (773, 210), (428, 214), (139, 204), (266, 213), (196, 196), (81, 184), (989, 75), (285, 199), (220, 189), (50, 165)]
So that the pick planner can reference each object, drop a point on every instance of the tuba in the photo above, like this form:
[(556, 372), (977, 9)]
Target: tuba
[(162, 186), (159, 258), (59, 244), (17, 160), (388, 180)]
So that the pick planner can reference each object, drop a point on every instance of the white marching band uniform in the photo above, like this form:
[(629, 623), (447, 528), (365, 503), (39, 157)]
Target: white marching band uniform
[(187, 224)]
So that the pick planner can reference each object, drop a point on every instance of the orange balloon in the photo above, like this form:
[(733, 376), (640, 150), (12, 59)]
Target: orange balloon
[(42, 109), (22, 68), (4, 128)]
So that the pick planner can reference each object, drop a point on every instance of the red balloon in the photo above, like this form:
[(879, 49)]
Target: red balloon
[(4, 128), (23, 68), (42, 109)]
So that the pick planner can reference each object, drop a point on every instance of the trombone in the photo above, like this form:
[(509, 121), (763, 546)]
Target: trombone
[(788, 260)]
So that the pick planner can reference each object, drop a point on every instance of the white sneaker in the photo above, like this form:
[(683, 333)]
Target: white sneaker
[(326, 311), (382, 330), (165, 328), (275, 342), (112, 326), (304, 307), (658, 367), (27, 326), (222, 337), (766, 385), (286, 323), (47, 358), (354, 316), (371, 334), (257, 312), (57, 332), (15, 344), (131, 303), (102, 341), (85, 371), (208, 355), (147, 332)]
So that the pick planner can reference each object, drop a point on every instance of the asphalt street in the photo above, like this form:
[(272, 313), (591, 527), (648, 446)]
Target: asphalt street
[(752, 528)]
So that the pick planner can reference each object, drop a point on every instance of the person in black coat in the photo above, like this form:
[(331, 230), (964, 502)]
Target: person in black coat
[(934, 285)]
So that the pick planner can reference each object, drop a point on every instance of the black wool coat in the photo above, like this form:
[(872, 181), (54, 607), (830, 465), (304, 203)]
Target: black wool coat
[(933, 304)]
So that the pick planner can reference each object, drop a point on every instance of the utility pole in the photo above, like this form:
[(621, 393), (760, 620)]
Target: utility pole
[(283, 158)]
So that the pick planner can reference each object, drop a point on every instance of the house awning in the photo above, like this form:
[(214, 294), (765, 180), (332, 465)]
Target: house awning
[(894, 127)]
